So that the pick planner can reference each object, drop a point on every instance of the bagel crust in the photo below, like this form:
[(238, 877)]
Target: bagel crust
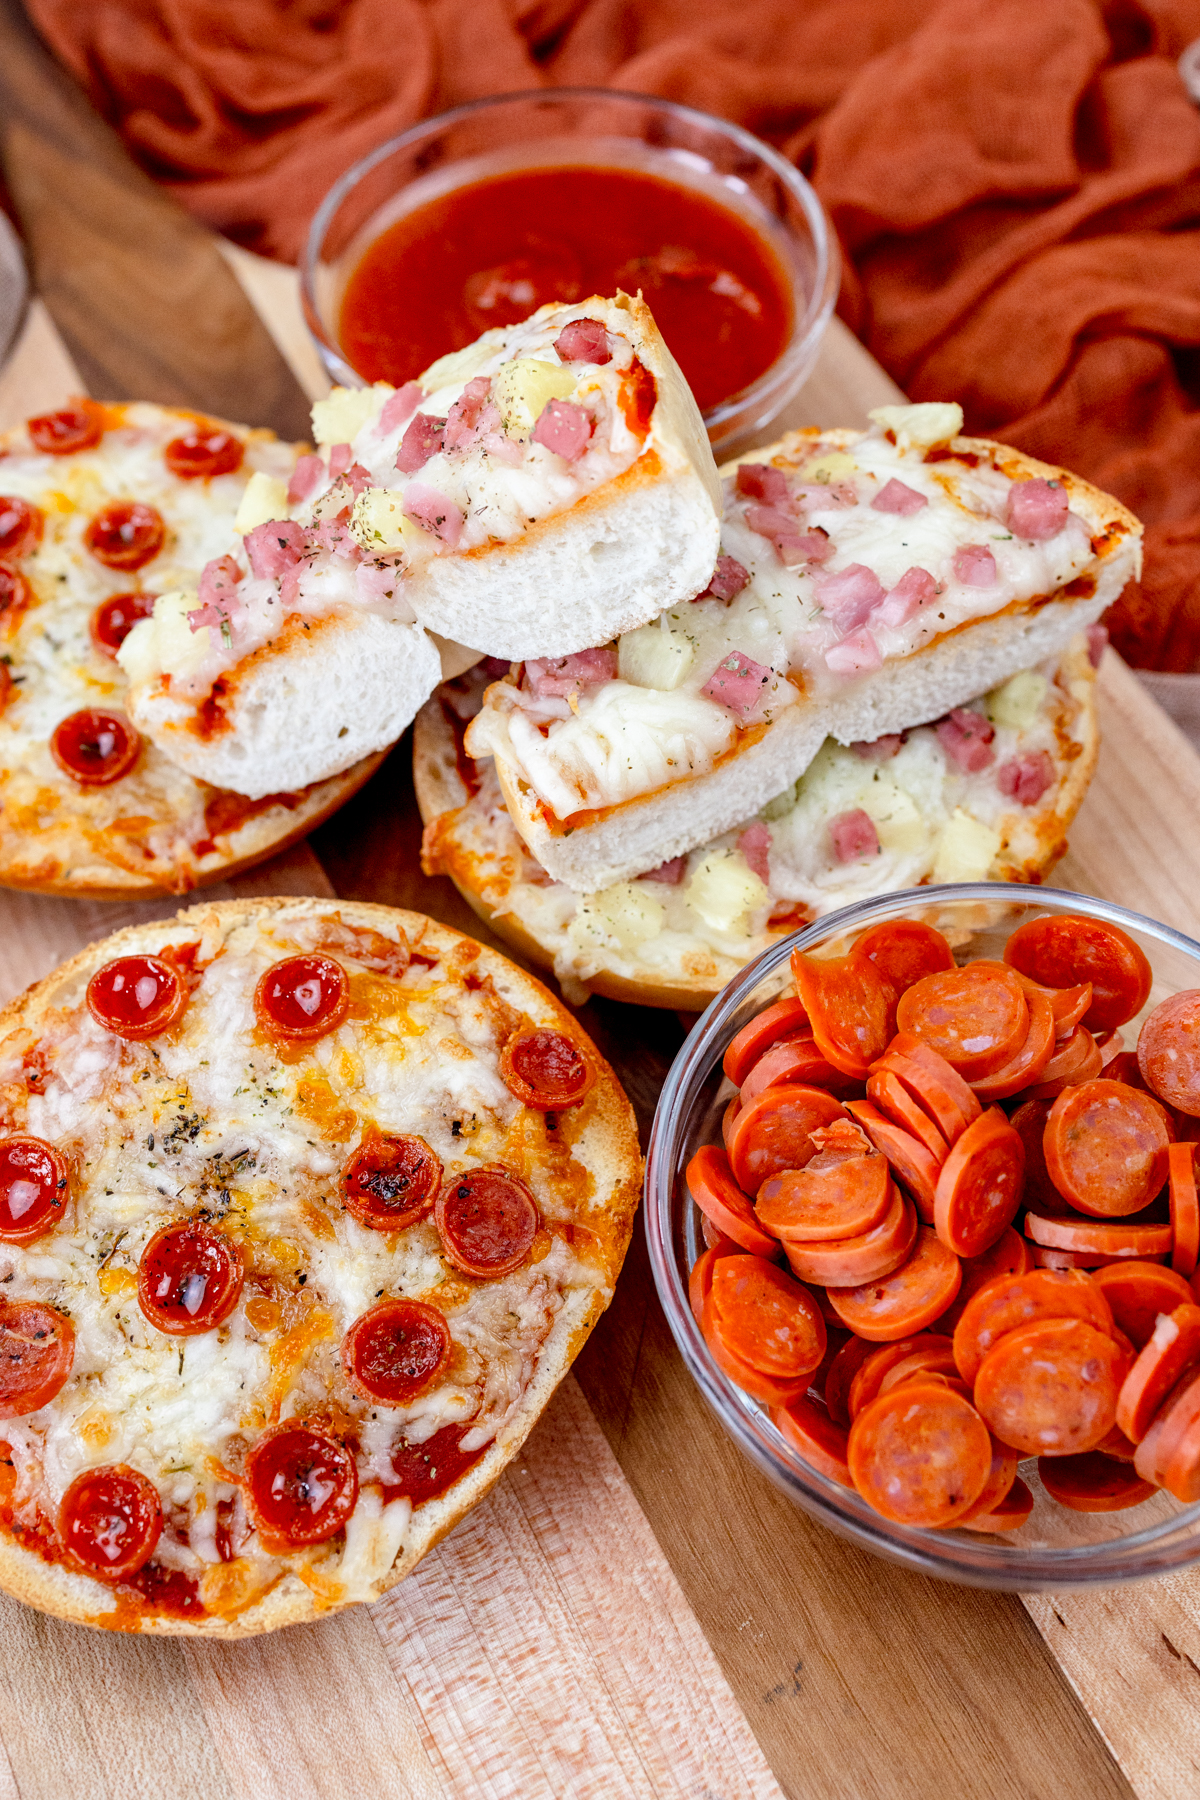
[(247, 1135)]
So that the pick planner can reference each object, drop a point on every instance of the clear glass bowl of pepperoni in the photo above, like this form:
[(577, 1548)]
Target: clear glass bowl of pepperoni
[(940, 1284)]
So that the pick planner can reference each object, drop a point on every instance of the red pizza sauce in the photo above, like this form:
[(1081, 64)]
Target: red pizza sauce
[(491, 253)]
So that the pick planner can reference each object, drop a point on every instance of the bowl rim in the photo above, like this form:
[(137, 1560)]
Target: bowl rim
[(807, 328), (1155, 1550)]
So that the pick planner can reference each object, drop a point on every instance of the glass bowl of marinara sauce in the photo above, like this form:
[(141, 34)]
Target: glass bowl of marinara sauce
[(479, 216), (1056, 1547)]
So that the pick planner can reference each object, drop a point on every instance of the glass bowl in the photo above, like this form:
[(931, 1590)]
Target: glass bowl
[(1056, 1548), (596, 126)]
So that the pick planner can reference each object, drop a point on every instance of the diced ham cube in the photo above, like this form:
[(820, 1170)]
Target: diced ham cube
[(563, 675), (728, 580), (357, 479), (564, 428), (855, 655), (897, 497), (739, 683), (335, 536), (1026, 778), (1036, 509), (670, 873), (966, 737), (434, 512), (755, 846), (375, 583), (848, 597), (854, 836), (975, 566), (759, 481), (307, 476), (1097, 643), (274, 547), (219, 603), (340, 458), (915, 589), (880, 749), (421, 440), (399, 406), (791, 543), (472, 415), (583, 340)]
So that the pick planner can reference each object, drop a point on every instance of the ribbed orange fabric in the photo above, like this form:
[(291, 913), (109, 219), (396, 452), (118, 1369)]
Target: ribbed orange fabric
[(1016, 182)]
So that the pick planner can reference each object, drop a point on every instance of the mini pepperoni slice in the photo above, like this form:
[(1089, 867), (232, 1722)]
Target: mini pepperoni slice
[(816, 1438), (700, 1279), (136, 997), (778, 1021), (1124, 1067), (111, 1520), (1068, 1005), (1116, 1444), (1051, 1388), (979, 1187), (1029, 1122), (1076, 1059), (21, 525), (715, 1239), (302, 1485), (1012, 1512), (926, 1364), (37, 1350), (1067, 950), (936, 1356), (396, 1351), (976, 1017), (839, 1194), (795, 1060), (910, 1160), (1185, 1208), (1009, 1255), (115, 618), (849, 1262), (840, 1378), (1172, 1349), (125, 534), (727, 1117), (1137, 1292), (16, 596), (95, 748), (764, 1317), (996, 1488), (920, 1455), (774, 1132), (904, 950), (423, 1471), (1106, 1148), (486, 1220), (1012, 1301), (33, 1189), (189, 1278), (889, 1094), (545, 1069), (203, 452), (1168, 1052), (849, 1007), (933, 1084), (69, 430), (1031, 1059), (391, 1182), (1093, 1262), (302, 997), (910, 1298), (1098, 1237), (1093, 1482), (711, 1185)]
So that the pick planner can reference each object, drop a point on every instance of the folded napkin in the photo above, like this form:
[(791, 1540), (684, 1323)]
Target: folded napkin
[(1016, 183)]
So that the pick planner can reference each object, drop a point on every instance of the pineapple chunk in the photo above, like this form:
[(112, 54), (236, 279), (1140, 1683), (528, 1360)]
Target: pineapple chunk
[(896, 816), (1017, 701), (655, 657), (165, 643), (265, 498), (340, 418), (623, 914), (381, 525), (831, 467), (723, 889), (966, 850), (936, 422), (522, 387)]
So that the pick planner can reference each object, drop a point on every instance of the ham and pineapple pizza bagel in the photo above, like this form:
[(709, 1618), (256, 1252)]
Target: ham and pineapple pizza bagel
[(305, 1209), (102, 508)]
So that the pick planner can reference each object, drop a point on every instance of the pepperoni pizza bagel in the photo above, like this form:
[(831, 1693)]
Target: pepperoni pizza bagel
[(986, 793), (304, 1213), (101, 509)]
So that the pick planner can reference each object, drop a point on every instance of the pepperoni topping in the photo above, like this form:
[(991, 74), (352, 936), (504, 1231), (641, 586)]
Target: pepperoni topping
[(396, 1351), (302, 1486), (15, 595), (20, 526), (95, 748), (391, 1182), (37, 1348), (189, 1279), (302, 997), (425, 1470), (1066, 951), (136, 996), (33, 1189), (125, 534), (71, 429), (976, 1017), (114, 619), (1168, 1051), (545, 1069), (1106, 1147), (486, 1220), (110, 1520), (202, 452)]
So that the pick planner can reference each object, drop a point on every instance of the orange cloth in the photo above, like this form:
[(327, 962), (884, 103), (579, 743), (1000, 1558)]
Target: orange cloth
[(1016, 182)]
